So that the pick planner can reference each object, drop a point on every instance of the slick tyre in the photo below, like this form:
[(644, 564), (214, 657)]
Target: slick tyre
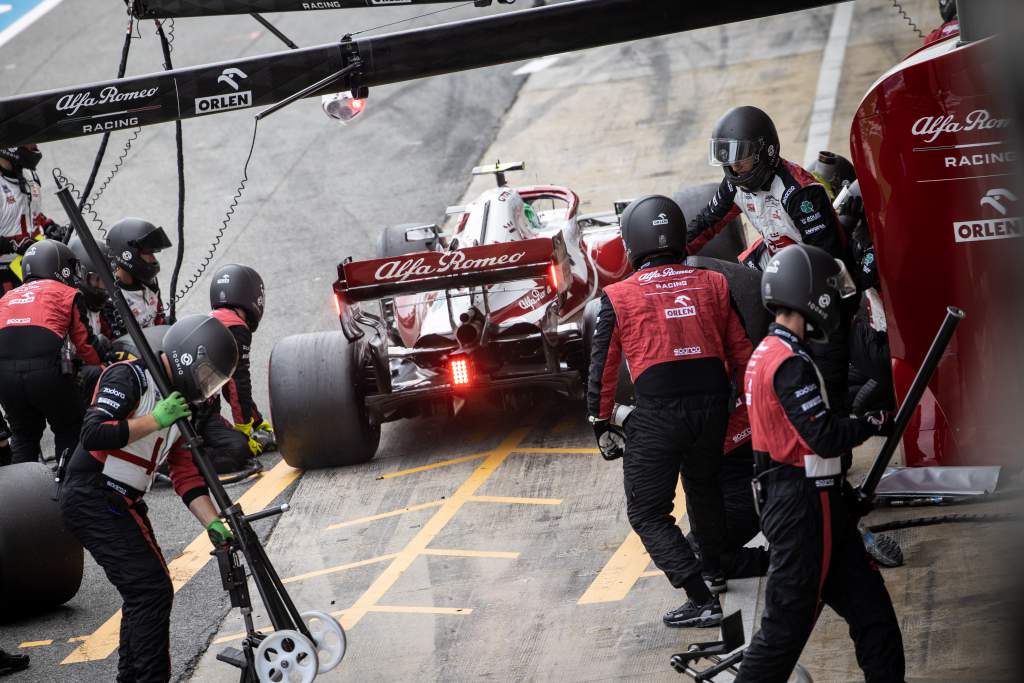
[(726, 245), (392, 242), (40, 561), (745, 287), (318, 409)]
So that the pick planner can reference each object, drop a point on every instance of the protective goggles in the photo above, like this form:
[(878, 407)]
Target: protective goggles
[(727, 151)]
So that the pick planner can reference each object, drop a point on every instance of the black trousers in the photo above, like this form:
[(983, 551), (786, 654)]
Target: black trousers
[(228, 447), (120, 538), (34, 392), (663, 438), (818, 558)]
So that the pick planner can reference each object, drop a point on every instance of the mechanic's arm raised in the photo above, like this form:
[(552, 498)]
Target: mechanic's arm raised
[(716, 215)]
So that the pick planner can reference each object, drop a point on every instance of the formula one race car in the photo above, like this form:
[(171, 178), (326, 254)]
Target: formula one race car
[(495, 309)]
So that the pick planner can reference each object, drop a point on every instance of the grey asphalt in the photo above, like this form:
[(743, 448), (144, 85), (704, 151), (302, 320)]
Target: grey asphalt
[(318, 192)]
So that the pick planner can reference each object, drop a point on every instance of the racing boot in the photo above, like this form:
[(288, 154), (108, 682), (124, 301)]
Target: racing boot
[(10, 663), (691, 615)]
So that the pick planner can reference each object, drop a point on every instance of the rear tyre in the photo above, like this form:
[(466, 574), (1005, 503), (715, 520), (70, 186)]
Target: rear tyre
[(318, 408), (40, 561), (392, 242), (745, 287), (726, 245)]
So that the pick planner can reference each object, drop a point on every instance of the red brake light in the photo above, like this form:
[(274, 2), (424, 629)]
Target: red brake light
[(460, 370), (553, 275), (337, 304), (358, 105)]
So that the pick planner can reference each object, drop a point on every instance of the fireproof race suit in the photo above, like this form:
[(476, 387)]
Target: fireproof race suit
[(238, 390), (682, 339), (817, 555), (146, 305), (41, 322), (21, 217), (101, 502)]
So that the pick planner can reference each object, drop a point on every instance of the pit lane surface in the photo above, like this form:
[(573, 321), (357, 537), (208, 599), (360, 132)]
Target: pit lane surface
[(508, 556)]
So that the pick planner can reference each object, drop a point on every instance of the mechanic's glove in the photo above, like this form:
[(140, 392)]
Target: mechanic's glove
[(52, 231), (255, 447), (219, 533), (245, 427), (880, 421), (610, 440), (170, 410), (264, 434)]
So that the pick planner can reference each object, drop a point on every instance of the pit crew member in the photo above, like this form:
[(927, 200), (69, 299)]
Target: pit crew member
[(682, 339), (94, 296), (237, 299), (21, 217), (808, 510), (133, 244), (128, 431), (11, 663), (42, 328)]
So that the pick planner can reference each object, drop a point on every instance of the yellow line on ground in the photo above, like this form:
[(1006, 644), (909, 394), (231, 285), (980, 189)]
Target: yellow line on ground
[(78, 639), (653, 572), (103, 641), (434, 466), (514, 500), (552, 451), (338, 568), (452, 552), (383, 583), (626, 566), (36, 643), (385, 515)]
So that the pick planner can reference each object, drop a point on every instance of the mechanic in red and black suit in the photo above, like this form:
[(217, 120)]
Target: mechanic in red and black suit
[(237, 297), (128, 432), (21, 218), (785, 204), (809, 512), (683, 341), (42, 327)]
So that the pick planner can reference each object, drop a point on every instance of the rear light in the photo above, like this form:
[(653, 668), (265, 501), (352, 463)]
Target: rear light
[(461, 371), (553, 275), (337, 304)]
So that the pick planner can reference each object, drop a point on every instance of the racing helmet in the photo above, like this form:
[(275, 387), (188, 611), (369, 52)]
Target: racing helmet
[(23, 157), (809, 281), (128, 238), (745, 133), (51, 260), (834, 170), (94, 295), (202, 354), (237, 286), (650, 225), (947, 8)]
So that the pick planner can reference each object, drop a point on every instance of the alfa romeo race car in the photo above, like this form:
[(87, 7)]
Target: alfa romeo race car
[(496, 309)]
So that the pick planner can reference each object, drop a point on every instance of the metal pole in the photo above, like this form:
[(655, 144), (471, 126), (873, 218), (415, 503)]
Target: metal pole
[(924, 374)]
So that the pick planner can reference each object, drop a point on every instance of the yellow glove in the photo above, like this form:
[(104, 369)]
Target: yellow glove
[(245, 427)]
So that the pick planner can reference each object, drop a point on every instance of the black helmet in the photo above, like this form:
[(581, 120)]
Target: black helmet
[(25, 156), (650, 225), (128, 238), (809, 281), (202, 354), (947, 8), (835, 170), (236, 286), (94, 296), (154, 334), (51, 260), (745, 133)]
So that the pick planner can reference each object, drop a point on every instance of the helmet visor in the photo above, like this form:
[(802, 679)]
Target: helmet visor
[(728, 151), (208, 379), (153, 242), (843, 282)]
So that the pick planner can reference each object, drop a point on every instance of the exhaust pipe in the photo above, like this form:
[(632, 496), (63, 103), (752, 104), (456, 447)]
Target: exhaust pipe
[(471, 329)]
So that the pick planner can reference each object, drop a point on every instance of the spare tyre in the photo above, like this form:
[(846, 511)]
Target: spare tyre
[(731, 241), (745, 287), (392, 241), (318, 408), (40, 561)]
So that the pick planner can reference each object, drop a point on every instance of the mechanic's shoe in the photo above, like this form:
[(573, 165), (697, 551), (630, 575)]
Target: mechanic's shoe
[(716, 583), (10, 663), (689, 615)]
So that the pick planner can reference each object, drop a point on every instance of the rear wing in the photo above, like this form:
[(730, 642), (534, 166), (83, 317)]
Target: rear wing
[(427, 271)]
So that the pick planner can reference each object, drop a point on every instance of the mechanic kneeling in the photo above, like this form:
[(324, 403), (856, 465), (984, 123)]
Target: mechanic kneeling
[(128, 431), (41, 328), (681, 337), (808, 510)]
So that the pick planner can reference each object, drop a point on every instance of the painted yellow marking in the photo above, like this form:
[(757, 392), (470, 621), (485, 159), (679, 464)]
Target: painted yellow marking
[(78, 639), (653, 572), (516, 501), (103, 641), (452, 552), (555, 451), (626, 566), (385, 515), (36, 643), (383, 583), (338, 568), (434, 466)]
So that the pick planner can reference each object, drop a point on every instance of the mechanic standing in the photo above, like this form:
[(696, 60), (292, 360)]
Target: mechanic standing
[(128, 431), (133, 244), (809, 512), (42, 328), (785, 204), (94, 296), (21, 218), (683, 341), (237, 299)]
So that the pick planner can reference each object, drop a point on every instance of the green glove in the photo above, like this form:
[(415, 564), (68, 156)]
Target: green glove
[(170, 410), (219, 533)]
